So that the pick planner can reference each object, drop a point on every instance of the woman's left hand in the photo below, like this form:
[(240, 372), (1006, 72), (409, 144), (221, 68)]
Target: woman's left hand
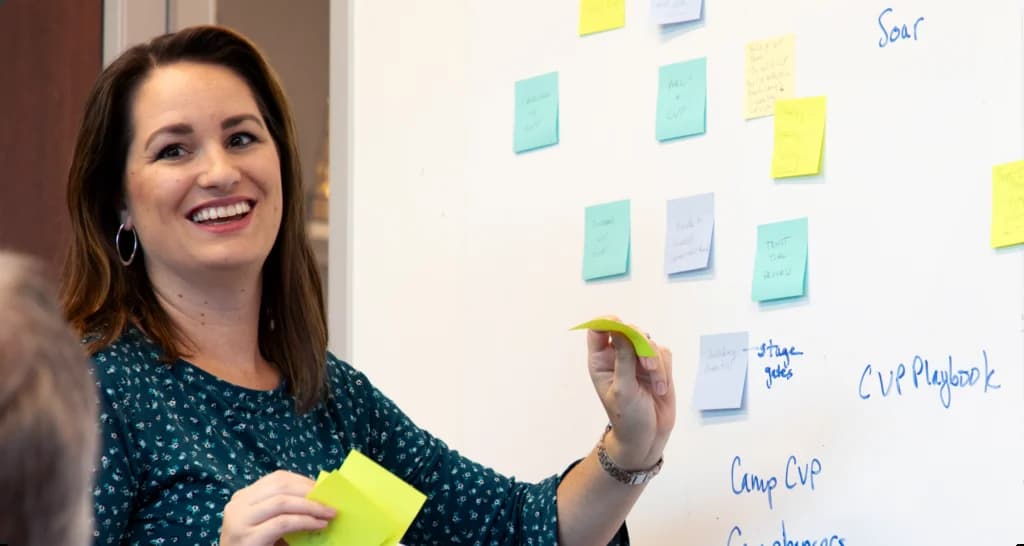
[(638, 394)]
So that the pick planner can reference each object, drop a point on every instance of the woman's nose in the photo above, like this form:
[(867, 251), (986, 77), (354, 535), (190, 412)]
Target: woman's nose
[(220, 171)]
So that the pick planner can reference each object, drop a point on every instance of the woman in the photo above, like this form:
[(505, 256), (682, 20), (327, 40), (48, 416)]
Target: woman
[(191, 278)]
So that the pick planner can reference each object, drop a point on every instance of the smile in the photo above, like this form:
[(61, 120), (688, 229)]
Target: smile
[(221, 214)]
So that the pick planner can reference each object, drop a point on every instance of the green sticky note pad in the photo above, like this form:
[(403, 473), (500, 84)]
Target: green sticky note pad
[(639, 340), (606, 240), (536, 123), (780, 266), (401, 500), (682, 99)]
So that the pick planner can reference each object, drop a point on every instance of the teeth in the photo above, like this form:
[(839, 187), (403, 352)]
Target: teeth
[(215, 213)]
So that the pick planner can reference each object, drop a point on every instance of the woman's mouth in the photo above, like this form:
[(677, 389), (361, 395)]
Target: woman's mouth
[(224, 214)]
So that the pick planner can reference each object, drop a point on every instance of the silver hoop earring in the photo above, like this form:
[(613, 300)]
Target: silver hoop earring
[(117, 245)]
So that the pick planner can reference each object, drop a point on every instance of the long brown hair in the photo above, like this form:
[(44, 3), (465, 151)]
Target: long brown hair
[(101, 297)]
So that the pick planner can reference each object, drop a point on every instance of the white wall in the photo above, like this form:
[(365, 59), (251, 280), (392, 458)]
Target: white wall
[(465, 258)]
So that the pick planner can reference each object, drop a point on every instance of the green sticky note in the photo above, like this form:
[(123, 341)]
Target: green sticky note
[(536, 124), (359, 521), (400, 500), (639, 341), (606, 240), (780, 266), (682, 99), (375, 507)]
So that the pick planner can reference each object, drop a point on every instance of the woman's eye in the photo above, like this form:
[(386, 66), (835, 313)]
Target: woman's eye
[(241, 139), (171, 152)]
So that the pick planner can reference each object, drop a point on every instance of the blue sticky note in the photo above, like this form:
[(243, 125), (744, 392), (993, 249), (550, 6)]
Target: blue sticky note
[(780, 266), (682, 99), (606, 240), (536, 124), (665, 12), (689, 228), (722, 372)]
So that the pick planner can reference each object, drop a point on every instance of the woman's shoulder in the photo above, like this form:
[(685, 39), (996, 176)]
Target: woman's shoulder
[(124, 361)]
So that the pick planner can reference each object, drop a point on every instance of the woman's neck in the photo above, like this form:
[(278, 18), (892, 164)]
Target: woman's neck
[(220, 319)]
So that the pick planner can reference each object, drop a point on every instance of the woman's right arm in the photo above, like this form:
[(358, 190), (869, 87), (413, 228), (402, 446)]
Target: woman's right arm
[(116, 486)]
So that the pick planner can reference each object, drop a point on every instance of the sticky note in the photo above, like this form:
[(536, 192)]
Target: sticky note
[(606, 240), (374, 507), (401, 500), (722, 372), (1008, 204), (682, 99), (639, 340), (799, 137), (689, 228), (536, 115), (666, 12), (780, 265), (769, 74), (601, 15)]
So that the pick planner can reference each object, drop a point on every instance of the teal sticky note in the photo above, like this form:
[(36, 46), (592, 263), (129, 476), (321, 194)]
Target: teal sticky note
[(682, 99), (536, 124), (780, 266), (606, 240)]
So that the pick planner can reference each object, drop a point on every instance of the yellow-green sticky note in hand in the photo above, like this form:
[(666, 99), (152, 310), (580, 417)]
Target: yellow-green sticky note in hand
[(399, 500), (639, 340), (358, 521)]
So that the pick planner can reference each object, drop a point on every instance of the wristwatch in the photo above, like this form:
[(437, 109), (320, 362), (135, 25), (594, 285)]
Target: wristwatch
[(628, 477)]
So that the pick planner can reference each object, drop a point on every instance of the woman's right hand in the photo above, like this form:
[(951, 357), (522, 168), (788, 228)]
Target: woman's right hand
[(271, 507)]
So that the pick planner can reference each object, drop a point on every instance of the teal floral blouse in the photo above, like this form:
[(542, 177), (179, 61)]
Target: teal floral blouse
[(177, 442)]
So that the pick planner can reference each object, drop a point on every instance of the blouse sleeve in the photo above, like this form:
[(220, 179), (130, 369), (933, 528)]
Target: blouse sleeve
[(115, 483), (467, 503)]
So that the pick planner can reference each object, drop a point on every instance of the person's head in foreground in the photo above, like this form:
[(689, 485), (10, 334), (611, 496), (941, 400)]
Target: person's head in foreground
[(47, 415)]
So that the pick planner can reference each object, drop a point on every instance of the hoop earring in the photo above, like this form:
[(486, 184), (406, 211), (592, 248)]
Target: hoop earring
[(117, 245)]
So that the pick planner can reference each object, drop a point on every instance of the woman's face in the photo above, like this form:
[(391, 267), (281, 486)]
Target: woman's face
[(203, 178)]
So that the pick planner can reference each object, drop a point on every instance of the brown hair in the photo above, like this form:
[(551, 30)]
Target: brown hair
[(101, 297), (47, 414)]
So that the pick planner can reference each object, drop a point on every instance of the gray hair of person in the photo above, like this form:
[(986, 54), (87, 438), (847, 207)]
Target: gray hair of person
[(48, 432)]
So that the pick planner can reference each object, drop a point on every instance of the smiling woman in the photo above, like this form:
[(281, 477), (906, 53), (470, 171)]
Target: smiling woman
[(218, 398)]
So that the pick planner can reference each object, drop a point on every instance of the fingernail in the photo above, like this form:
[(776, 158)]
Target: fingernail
[(660, 388)]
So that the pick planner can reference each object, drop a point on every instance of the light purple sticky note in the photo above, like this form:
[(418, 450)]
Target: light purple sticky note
[(689, 229), (722, 372), (665, 12)]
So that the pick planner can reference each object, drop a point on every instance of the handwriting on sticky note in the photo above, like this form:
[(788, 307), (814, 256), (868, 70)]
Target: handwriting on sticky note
[(666, 12), (722, 372), (780, 265), (1008, 204), (689, 228), (799, 136), (601, 15), (682, 99), (606, 240), (769, 74), (536, 112), (640, 343)]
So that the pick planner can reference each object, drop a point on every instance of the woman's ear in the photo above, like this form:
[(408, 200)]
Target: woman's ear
[(126, 219)]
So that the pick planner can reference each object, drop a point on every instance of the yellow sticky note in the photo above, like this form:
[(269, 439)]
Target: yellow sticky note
[(400, 500), (1008, 204), (359, 521), (601, 15), (769, 73), (799, 137), (375, 507), (639, 340)]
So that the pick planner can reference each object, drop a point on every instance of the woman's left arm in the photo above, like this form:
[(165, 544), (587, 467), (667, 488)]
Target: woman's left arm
[(639, 397)]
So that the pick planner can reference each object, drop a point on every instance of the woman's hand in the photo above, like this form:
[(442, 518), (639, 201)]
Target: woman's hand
[(273, 506), (638, 395)]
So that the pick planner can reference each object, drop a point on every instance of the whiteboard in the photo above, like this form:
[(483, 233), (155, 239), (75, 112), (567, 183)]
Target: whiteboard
[(464, 258)]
